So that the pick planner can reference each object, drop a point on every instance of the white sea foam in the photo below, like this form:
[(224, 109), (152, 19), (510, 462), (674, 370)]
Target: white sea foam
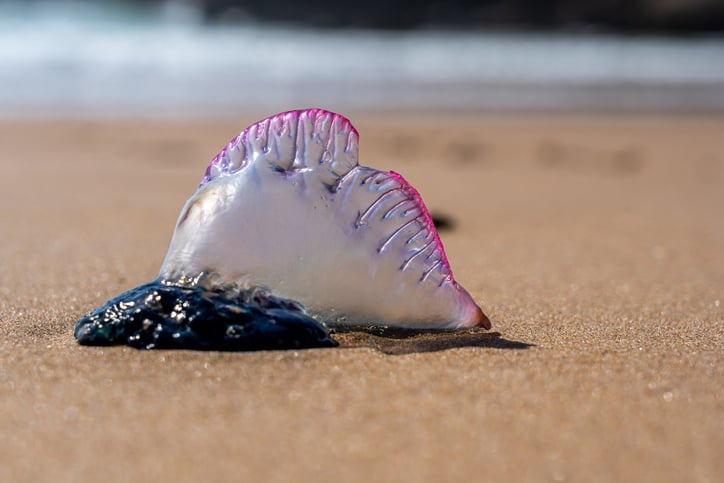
[(95, 60)]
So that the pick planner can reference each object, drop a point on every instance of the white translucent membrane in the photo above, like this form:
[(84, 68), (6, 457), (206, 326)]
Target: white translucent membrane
[(287, 207)]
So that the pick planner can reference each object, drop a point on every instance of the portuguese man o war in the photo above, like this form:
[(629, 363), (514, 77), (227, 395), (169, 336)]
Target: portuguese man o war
[(286, 237)]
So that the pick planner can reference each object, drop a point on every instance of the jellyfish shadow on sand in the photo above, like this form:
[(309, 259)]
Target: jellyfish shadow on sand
[(395, 341)]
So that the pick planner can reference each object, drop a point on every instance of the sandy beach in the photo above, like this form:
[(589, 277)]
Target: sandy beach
[(595, 243)]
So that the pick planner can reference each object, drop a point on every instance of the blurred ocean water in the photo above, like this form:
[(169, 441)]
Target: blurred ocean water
[(112, 60)]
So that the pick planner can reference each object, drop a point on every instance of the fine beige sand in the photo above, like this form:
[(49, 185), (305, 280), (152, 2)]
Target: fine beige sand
[(595, 243)]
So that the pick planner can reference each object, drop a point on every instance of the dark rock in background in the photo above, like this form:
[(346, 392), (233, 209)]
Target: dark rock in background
[(672, 16)]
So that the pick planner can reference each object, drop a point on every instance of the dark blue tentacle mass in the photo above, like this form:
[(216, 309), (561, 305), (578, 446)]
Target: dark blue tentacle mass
[(161, 315)]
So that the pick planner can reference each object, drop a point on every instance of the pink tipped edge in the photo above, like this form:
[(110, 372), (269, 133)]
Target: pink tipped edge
[(316, 113), (482, 320), (428, 218)]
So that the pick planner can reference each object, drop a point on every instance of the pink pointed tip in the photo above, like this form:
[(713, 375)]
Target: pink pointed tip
[(482, 320)]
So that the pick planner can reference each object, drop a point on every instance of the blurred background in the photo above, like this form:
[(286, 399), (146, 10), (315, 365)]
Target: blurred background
[(156, 57)]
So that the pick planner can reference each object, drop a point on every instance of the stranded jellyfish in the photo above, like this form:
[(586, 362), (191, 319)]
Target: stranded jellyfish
[(285, 237)]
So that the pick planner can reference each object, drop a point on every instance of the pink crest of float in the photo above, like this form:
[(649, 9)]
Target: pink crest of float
[(283, 124)]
